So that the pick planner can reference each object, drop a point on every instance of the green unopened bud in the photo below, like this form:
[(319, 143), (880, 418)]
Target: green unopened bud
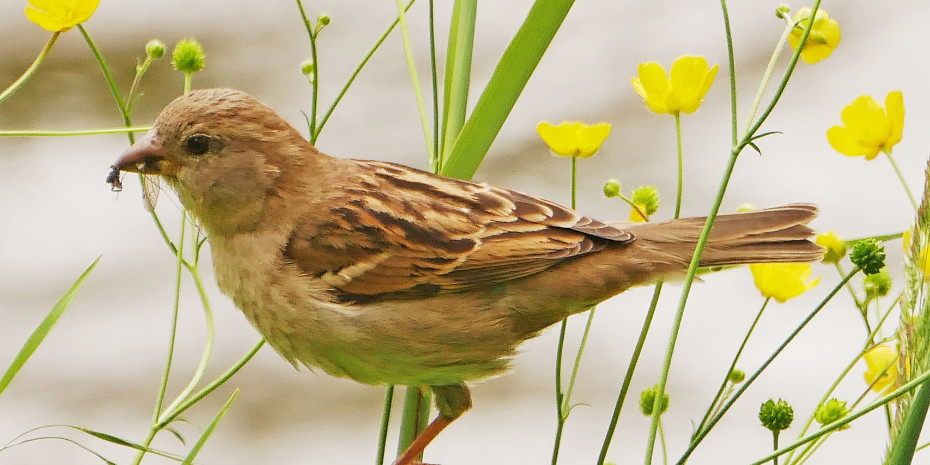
[(155, 49), (188, 56), (776, 416), (611, 188), (322, 21), (647, 400), (868, 256), (830, 411), (648, 198), (783, 11), (307, 67), (736, 376), (878, 284)]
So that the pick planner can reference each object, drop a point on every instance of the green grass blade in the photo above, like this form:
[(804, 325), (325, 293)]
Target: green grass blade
[(209, 431), (38, 335), (507, 82), (458, 72)]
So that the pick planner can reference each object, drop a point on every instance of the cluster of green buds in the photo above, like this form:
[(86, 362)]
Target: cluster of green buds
[(188, 56), (647, 401)]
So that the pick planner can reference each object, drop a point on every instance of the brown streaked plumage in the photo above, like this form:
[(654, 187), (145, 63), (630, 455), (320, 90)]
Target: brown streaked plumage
[(390, 275)]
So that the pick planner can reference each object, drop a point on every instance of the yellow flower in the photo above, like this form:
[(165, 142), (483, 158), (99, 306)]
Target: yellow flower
[(824, 36), (60, 15), (868, 128), (683, 91), (836, 248), (783, 281), (881, 368), (573, 139)]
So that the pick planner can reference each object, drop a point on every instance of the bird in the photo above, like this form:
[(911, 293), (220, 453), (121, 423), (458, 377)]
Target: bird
[(386, 274)]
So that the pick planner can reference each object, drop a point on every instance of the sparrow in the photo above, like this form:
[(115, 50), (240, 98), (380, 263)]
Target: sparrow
[(386, 274)]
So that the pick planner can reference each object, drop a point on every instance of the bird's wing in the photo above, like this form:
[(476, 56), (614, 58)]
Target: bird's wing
[(396, 232)]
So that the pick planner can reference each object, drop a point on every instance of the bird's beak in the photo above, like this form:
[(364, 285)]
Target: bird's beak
[(145, 156)]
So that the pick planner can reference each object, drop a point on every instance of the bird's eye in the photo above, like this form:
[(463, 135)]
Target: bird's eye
[(198, 144)]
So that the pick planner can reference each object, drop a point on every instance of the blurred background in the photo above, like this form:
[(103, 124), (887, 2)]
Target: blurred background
[(101, 365)]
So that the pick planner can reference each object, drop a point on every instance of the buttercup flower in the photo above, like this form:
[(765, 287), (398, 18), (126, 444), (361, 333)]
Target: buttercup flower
[(683, 90), (783, 281), (824, 36), (60, 15), (835, 247), (573, 139), (868, 128), (877, 359)]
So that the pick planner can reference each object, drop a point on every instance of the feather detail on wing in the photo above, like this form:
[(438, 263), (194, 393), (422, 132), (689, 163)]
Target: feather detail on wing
[(396, 232)]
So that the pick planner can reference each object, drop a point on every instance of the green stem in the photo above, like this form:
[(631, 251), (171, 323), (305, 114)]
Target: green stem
[(219, 381), (571, 381), (731, 64), (358, 70), (775, 446), (316, 75), (628, 378), (412, 67), (169, 359), (434, 73), (32, 68), (910, 195), (562, 399), (749, 380), (686, 289), (111, 83), (718, 398), (416, 413), (385, 421), (769, 70)]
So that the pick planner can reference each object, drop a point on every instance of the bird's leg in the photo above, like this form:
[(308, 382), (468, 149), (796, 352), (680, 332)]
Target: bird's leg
[(451, 401)]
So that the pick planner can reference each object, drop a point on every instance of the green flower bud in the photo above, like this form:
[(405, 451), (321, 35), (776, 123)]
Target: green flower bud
[(647, 400), (783, 11), (648, 197), (868, 255), (878, 284), (155, 49), (188, 56), (307, 67), (322, 21), (830, 411), (736, 376), (776, 416), (611, 188)]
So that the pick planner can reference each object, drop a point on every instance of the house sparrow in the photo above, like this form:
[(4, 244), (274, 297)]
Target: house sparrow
[(389, 275)]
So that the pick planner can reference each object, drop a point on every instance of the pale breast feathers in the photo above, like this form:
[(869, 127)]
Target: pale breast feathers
[(399, 233)]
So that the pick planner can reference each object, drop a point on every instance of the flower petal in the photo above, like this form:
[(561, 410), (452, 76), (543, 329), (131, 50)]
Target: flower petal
[(655, 85), (590, 139), (894, 109)]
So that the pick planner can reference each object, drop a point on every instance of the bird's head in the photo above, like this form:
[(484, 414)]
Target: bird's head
[(225, 154)]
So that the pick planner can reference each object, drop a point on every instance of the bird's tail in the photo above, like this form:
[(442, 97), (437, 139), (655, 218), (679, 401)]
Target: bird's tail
[(772, 235)]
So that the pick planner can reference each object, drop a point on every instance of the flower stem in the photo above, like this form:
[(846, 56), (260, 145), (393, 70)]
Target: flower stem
[(411, 65), (385, 419), (32, 68), (316, 75), (910, 195), (718, 398), (625, 387), (769, 70), (750, 379)]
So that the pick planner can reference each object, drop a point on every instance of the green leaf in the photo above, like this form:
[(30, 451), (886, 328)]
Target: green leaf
[(904, 444), (458, 72), (507, 82), (38, 335), (209, 431)]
